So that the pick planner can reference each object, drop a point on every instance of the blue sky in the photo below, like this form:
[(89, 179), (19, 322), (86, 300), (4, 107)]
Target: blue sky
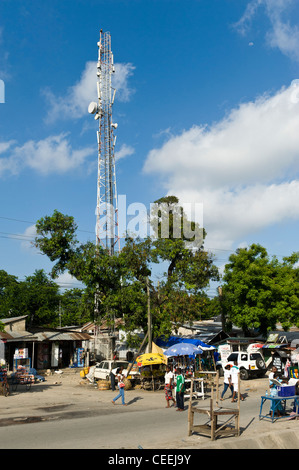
[(207, 107)]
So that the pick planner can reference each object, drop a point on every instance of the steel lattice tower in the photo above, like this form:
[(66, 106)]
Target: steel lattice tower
[(107, 229)]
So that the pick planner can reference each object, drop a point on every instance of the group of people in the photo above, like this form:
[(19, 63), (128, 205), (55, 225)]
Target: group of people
[(177, 382), (231, 380)]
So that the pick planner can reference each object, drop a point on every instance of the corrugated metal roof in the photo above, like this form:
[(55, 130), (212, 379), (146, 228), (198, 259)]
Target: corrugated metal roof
[(12, 319), (17, 336), (44, 336), (61, 336)]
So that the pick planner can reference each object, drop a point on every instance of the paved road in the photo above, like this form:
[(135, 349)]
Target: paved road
[(68, 416), (117, 428)]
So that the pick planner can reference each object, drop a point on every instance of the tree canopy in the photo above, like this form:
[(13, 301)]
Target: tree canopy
[(258, 292), (120, 280)]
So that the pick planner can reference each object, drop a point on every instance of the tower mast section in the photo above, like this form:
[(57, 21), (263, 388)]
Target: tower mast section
[(107, 228)]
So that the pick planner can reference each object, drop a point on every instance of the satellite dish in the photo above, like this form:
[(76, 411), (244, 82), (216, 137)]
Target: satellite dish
[(92, 108), (114, 125)]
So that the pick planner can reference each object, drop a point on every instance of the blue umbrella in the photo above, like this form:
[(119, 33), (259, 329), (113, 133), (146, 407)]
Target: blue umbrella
[(183, 349)]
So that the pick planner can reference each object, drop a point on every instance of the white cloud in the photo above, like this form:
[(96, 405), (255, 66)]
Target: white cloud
[(4, 146), (29, 235), (74, 103), (124, 151), (282, 34), (66, 281), (51, 155), (243, 169)]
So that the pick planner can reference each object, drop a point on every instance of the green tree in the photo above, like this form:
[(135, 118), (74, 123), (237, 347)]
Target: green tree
[(258, 291), (9, 294), (37, 297), (75, 307), (120, 280)]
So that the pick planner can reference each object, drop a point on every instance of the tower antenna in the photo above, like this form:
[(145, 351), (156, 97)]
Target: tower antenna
[(107, 227)]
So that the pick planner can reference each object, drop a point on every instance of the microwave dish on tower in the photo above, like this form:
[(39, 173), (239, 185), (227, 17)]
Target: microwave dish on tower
[(107, 228)]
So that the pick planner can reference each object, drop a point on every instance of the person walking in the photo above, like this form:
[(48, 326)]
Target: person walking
[(180, 389), (169, 379), (235, 374), (121, 386), (227, 381)]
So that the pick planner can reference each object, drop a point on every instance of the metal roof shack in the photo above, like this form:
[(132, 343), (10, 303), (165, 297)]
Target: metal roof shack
[(50, 334), (15, 330)]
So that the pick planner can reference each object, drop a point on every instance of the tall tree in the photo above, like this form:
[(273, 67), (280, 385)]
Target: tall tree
[(120, 280), (258, 291), (37, 297)]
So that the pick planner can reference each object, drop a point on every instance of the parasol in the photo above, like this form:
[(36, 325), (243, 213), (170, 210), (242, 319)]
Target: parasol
[(183, 349), (150, 359)]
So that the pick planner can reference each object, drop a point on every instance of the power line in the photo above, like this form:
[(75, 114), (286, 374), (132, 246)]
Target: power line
[(30, 222)]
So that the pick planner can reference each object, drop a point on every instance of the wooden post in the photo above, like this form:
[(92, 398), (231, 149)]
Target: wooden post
[(136, 355), (217, 387), (237, 420), (212, 418), (149, 317), (190, 414), (213, 358)]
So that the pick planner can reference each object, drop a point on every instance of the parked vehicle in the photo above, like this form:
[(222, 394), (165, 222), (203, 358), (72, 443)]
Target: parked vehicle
[(102, 369), (251, 364)]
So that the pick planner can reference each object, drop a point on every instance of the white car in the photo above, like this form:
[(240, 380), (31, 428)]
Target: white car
[(102, 369), (250, 364)]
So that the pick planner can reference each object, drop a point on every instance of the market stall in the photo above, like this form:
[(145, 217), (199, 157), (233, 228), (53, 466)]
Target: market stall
[(152, 370), (22, 376), (192, 365), (3, 378), (183, 356)]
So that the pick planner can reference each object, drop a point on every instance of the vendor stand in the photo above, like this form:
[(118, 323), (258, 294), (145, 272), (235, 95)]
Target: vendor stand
[(22, 377), (3, 379), (184, 356), (152, 370)]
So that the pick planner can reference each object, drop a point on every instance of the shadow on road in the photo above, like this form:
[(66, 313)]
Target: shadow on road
[(134, 400)]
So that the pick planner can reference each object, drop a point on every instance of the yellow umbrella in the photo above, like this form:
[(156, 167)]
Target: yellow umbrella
[(151, 358)]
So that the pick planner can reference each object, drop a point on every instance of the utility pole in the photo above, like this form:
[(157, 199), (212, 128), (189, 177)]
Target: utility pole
[(221, 307)]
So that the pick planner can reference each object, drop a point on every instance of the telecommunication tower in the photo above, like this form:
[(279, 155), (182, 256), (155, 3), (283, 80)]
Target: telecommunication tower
[(107, 228)]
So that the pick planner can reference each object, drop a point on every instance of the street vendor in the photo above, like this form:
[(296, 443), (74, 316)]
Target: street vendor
[(168, 387)]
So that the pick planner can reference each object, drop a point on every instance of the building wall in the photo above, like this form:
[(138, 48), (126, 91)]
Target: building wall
[(19, 325)]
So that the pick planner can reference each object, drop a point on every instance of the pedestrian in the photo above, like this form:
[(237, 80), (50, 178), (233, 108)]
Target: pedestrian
[(169, 379), (227, 381), (180, 389), (271, 375), (112, 378), (235, 377), (121, 386)]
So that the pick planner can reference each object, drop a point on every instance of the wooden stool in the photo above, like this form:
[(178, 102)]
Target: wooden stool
[(214, 429)]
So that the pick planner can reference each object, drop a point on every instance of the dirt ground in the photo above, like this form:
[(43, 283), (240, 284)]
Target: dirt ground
[(62, 390)]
